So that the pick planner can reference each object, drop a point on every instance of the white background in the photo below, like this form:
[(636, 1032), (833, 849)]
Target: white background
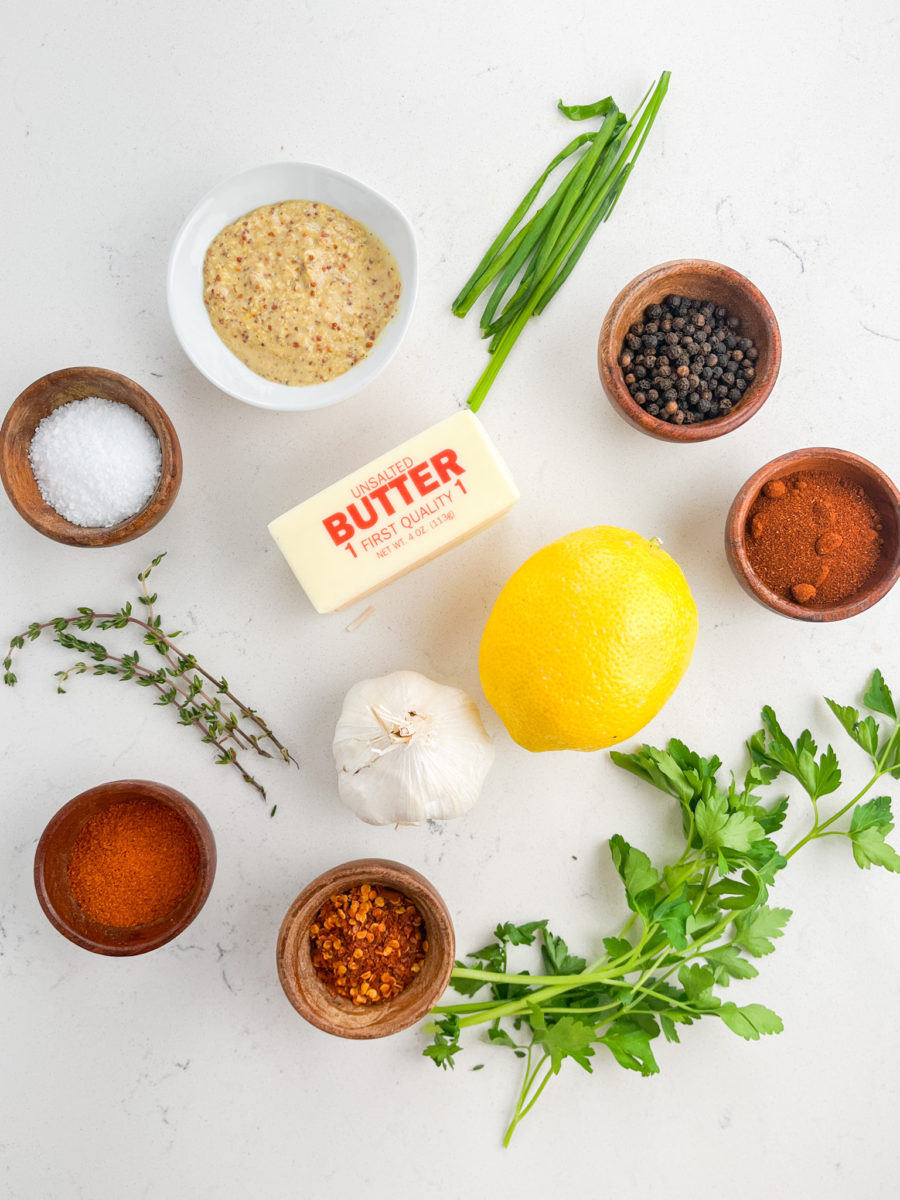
[(186, 1072)]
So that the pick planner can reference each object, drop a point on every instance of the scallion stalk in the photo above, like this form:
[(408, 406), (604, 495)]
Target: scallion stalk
[(544, 251)]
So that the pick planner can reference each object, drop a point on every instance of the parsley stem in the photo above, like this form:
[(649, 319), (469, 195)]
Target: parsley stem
[(818, 829)]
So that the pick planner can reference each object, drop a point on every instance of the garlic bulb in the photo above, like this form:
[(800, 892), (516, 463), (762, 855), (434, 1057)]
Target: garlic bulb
[(408, 750)]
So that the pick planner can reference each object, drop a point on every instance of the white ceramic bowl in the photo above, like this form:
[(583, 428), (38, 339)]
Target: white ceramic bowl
[(241, 194)]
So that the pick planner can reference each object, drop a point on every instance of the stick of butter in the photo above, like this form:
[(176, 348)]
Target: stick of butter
[(395, 513)]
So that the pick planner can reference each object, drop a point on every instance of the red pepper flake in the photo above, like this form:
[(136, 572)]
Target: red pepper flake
[(367, 944)]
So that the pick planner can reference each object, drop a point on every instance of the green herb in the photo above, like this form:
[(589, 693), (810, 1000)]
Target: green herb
[(542, 253), (696, 924), (199, 698)]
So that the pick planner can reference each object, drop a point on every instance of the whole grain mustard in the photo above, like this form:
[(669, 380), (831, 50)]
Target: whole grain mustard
[(299, 291)]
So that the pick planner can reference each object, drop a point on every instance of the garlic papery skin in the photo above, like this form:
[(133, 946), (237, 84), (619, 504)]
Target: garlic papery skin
[(408, 749)]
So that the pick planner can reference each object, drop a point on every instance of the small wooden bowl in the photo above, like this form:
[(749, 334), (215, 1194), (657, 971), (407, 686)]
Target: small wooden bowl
[(37, 402), (885, 499), (333, 1014), (51, 870), (698, 280)]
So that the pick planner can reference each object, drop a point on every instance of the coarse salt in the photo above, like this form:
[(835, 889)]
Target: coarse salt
[(96, 461)]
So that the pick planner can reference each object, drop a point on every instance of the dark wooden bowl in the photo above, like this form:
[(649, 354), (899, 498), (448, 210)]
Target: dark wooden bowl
[(885, 499), (51, 870), (333, 1014), (698, 280), (37, 402)]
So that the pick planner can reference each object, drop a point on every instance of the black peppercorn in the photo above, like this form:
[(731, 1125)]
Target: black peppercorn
[(704, 368)]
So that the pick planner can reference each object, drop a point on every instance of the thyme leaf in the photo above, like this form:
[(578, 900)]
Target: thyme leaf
[(199, 698)]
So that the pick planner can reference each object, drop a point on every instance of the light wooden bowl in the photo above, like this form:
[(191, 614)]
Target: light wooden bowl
[(309, 995), (51, 870), (698, 280), (37, 402), (885, 499)]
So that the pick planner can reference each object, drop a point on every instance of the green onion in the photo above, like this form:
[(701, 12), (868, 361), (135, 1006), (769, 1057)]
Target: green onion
[(542, 253)]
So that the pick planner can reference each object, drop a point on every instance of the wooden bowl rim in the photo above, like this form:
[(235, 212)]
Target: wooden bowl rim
[(42, 516), (378, 1020), (160, 931), (608, 354), (785, 464)]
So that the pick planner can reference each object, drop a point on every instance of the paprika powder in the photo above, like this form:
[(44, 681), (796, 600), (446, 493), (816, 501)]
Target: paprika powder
[(813, 537), (367, 944), (132, 863)]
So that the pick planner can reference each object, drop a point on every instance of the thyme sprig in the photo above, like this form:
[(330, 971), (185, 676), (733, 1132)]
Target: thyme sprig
[(695, 924), (200, 698)]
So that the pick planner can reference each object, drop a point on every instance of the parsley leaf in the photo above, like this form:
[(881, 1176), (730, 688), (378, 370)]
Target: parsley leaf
[(755, 930), (878, 696), (750, 1021), (557, 958), (567, 1038), (446, 1042), (726, 961), (719, 828), (519, 935), (636, 872), (630, 1046)]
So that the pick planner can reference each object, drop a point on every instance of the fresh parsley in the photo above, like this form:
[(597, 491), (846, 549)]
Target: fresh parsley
[(696, 924)]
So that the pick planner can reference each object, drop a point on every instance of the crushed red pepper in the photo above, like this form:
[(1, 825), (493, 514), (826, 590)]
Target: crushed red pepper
[(367, 944)]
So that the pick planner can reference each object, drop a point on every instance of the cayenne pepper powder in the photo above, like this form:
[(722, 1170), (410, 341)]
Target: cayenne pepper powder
[(132, 863), (813, 537), (367, 944)]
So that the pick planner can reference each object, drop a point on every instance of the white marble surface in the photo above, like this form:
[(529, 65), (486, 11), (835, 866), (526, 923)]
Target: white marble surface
[(186, 1072)]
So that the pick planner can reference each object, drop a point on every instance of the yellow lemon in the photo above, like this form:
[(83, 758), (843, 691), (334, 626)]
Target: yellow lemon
[(587, 640)]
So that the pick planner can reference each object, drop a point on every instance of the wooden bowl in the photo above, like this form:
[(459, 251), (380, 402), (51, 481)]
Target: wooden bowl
[(37, 402), (698, 280), (885, 499), (51, 870), (341, 1017)]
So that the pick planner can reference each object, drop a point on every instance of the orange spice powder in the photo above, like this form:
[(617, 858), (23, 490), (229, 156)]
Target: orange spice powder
[(813, 537), (132, 863)]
